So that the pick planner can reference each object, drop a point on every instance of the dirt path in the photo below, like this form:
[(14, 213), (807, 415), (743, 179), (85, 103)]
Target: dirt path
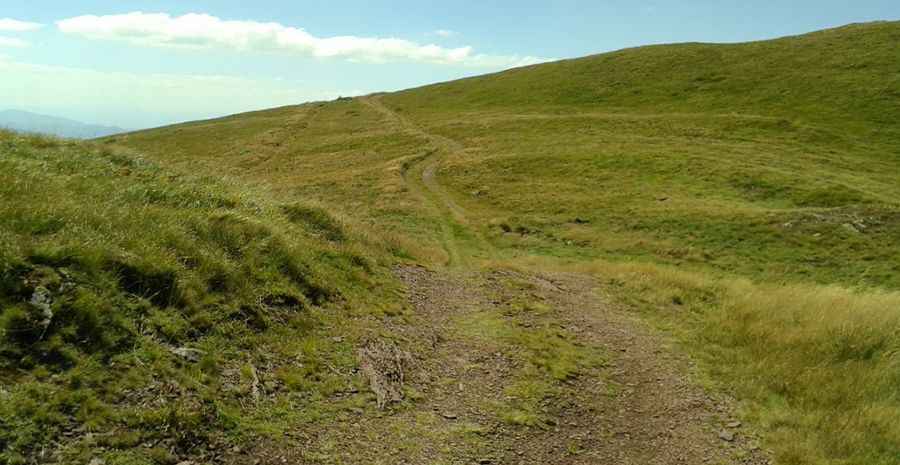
[(485, 345), (637, 407), (528, 367)]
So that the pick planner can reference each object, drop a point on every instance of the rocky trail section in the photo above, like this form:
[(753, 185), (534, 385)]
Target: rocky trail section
[(509, 367)]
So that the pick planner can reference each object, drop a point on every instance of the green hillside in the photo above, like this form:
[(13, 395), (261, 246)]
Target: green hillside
[(742, 199), (847, 76), (773, 159), (147, 307)]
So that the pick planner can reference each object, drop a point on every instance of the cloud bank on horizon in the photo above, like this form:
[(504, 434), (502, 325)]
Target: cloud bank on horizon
[(14, 25), (152, 99), (64, 67), (9, 25), (199, 31)]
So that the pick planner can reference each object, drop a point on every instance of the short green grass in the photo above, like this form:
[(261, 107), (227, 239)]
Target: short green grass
[(769, 204)]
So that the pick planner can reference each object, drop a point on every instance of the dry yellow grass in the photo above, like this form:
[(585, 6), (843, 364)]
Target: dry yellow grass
[(816, 367)]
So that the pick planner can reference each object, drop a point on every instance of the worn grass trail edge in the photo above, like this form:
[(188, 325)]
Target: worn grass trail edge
[(421, 176)]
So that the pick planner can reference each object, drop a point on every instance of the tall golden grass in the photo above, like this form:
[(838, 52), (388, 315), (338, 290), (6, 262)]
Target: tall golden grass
[(817, 368)]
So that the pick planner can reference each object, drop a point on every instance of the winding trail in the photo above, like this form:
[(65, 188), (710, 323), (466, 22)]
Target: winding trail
[(639, 407), (421, 175), (443, 146)]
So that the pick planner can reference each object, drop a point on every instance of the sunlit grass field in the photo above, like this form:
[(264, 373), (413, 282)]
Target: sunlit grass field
[(745, 198)]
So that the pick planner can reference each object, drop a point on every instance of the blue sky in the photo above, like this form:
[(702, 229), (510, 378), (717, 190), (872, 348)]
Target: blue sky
[(146, 63)]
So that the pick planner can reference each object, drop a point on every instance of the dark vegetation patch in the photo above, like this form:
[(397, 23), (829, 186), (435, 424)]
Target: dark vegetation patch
[(159, 286), (759, 188), (317, 219), (797, 191), (831, 197)]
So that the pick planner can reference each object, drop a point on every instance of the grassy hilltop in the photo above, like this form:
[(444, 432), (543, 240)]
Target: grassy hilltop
[(846, 75), (744, 197)]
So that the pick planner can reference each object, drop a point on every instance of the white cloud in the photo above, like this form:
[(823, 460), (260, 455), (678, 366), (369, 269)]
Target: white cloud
[(12, 42), (198, 31), (13, 25), (445, 33), (138, 100)]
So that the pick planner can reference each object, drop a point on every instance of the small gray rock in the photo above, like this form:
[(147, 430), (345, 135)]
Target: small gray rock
[(851, 228), (42, 300), (726, 435), (191, 355)]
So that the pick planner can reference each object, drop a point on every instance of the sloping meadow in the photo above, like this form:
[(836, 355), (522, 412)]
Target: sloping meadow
[(138, 307), (747, 201)]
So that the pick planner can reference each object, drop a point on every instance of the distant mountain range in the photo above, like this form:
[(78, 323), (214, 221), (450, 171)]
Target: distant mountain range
[(24, 121)]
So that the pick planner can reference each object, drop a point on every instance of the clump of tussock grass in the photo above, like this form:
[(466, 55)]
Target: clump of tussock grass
[(828, 356)]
